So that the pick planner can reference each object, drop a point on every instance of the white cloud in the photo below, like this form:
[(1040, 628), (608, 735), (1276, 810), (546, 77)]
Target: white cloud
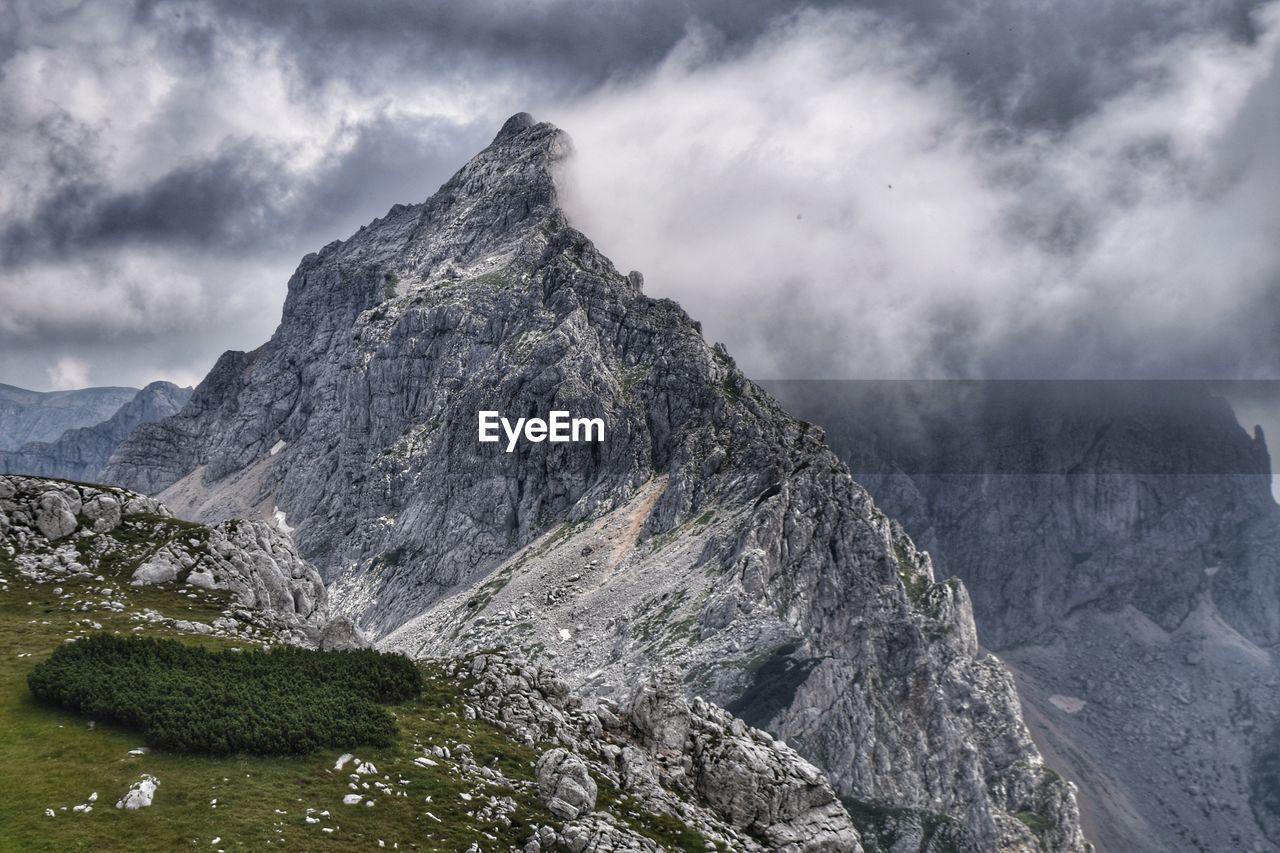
[(828, 205), (68, 373)]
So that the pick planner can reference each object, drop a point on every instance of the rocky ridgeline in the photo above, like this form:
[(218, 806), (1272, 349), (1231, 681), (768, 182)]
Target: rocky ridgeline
[(82, 452), (52, 530), (27, 416), (1122, 547), (735, 785), (787, 594)]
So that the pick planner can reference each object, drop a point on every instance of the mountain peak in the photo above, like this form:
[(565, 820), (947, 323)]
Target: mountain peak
[(523, 138), (706, 531), (515, 124)]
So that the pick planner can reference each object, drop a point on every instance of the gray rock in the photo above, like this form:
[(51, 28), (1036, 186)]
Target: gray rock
[(54, 516), (140, 793), (104, 511), (1121, 543), (269, 582), (772, 800), (564, 784), (341, 632)]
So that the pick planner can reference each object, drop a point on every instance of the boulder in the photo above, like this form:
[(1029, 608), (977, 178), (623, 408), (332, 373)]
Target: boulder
[(342, 633), (140, 793), (104, 511), (54, 516), (564, 784)]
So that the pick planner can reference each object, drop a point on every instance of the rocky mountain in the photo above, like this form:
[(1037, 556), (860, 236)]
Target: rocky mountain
[(506, 756), (45, 415), (81, 453), (710, 539), (1122, 547)]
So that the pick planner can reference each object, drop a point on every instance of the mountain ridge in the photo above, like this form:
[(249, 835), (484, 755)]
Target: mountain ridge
[(44, 415), (81, 453), (355, 425)]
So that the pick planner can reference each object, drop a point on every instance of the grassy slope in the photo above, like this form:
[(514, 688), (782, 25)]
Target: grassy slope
[(51, 759)]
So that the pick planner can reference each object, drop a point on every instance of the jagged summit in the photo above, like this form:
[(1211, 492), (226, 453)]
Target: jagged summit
[(709, 535), (514, 125)]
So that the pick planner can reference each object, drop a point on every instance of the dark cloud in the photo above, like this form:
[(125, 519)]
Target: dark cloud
[(832, 209), (244, 197), (1035, 62), (163, 163), (228, 201)]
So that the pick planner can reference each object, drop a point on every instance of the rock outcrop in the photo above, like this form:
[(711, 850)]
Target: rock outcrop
[(44, 415), (565, 784), (51, 529), (1123, 550), (81, 453), (731, 782), (709, 532)]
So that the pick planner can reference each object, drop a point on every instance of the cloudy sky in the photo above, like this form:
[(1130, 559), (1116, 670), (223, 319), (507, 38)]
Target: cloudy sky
[(891, 188)]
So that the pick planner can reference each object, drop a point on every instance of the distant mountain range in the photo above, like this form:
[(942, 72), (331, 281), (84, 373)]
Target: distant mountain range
[(45, 415), (1122, 547), (81, 452)]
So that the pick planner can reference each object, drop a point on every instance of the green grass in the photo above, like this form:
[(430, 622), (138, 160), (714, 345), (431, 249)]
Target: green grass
[(51, 758), (54, 759), (1034, 822), (633, 377)]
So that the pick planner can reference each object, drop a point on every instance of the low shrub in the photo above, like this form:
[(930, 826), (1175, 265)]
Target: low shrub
[(189, 699)]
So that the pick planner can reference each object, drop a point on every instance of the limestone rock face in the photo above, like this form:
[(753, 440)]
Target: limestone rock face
[(253, 560), (756, 783), (709, 532), (81, 452), (734, 784), (1122, 547)]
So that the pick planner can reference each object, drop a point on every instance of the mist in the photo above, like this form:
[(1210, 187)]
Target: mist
[(831, 204)]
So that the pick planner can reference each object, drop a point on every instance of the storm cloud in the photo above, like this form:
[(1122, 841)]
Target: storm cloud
[(834, 208), (1077, 188)]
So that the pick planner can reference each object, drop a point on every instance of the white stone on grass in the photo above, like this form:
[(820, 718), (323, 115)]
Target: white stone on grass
[(140, 793)]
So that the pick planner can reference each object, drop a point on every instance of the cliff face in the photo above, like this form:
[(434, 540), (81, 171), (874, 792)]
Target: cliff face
[(710, 535), (1123, 551), (82, 453), (44, 415)]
